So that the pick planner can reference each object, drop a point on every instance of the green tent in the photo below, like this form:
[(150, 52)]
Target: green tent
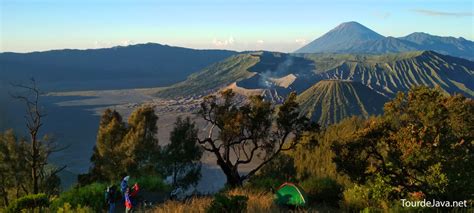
[(290, 194)]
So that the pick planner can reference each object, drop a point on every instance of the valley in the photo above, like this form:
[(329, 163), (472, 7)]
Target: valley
[(331, 87), (349, 71)]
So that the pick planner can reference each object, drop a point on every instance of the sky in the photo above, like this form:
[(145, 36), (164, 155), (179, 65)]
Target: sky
[(276, 25)]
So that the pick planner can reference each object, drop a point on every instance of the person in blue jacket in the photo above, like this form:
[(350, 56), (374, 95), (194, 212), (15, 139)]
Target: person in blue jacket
[(111, 197), (124, 184)]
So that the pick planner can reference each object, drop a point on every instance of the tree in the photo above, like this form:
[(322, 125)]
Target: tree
[(422, 144), (281, 169), (140, 144), (122, 148), (242, 133), (13, 172), (38, 149), (107, 156), (314, 156), (182, 156)]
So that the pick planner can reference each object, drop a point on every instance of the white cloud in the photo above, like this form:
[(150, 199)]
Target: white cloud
[(443, 13), (260, 41), (127, 42), (109, 44), (223, 43), (300, 41), (102, 44)]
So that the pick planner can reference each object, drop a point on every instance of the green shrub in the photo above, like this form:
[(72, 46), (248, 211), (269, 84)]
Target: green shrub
[(279, 170), (31, 201), (150, 183), (228, 204), (264, 183), (375, 194), (356, 198), (373, 210), (90, 195), (324, 190), (67, 208)]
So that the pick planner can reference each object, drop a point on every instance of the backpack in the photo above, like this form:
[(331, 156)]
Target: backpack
[(107, 194), (110, 195)]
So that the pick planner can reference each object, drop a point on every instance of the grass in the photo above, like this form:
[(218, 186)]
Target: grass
[(258, 201), (195, 204)]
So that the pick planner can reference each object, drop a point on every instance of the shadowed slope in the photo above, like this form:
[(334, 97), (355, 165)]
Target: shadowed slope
[(340, 38), (458, 47), (134, 66), (352, 37)]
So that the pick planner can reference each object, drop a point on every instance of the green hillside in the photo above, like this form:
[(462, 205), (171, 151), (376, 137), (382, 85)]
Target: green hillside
[(215, 76), (329, 101), (360, 83), (391, 73)]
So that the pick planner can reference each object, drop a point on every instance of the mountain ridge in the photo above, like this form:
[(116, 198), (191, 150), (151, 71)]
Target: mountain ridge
[(386, 74), (133, 66), (336, 41), (275, 75)]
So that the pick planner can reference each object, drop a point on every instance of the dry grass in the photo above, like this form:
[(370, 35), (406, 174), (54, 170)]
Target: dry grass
[(197, 204), (257, 202)]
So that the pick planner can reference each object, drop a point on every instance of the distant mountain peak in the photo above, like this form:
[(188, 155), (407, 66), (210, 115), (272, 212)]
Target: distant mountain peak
[(350, 24), (420, 33), (353, 37), (341, 37), (356, 29)]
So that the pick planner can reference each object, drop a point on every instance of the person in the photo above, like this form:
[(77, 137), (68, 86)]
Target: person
[(111, 197), (124, 184), (130, 195)]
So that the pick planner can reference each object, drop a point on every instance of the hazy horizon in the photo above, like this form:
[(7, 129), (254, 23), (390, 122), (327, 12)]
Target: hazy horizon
[(284, 26)]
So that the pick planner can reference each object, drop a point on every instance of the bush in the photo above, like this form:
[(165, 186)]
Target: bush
[(28, 202), (229, 204), (273, 174), (356, 198), (67, 208), (150, 183), (90, 195), (375, 194), (264, 183), (324, 190)]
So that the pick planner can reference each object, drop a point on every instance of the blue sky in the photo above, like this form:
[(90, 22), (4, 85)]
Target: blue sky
[(278, 25)]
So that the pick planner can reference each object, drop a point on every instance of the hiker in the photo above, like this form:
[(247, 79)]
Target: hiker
[(124, 184), (130, 196), (111, 197)]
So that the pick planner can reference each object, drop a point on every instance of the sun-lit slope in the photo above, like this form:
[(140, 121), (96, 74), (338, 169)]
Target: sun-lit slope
[(330, 101), (274, 73), (218, 75), (391, 73), (279, 73)]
